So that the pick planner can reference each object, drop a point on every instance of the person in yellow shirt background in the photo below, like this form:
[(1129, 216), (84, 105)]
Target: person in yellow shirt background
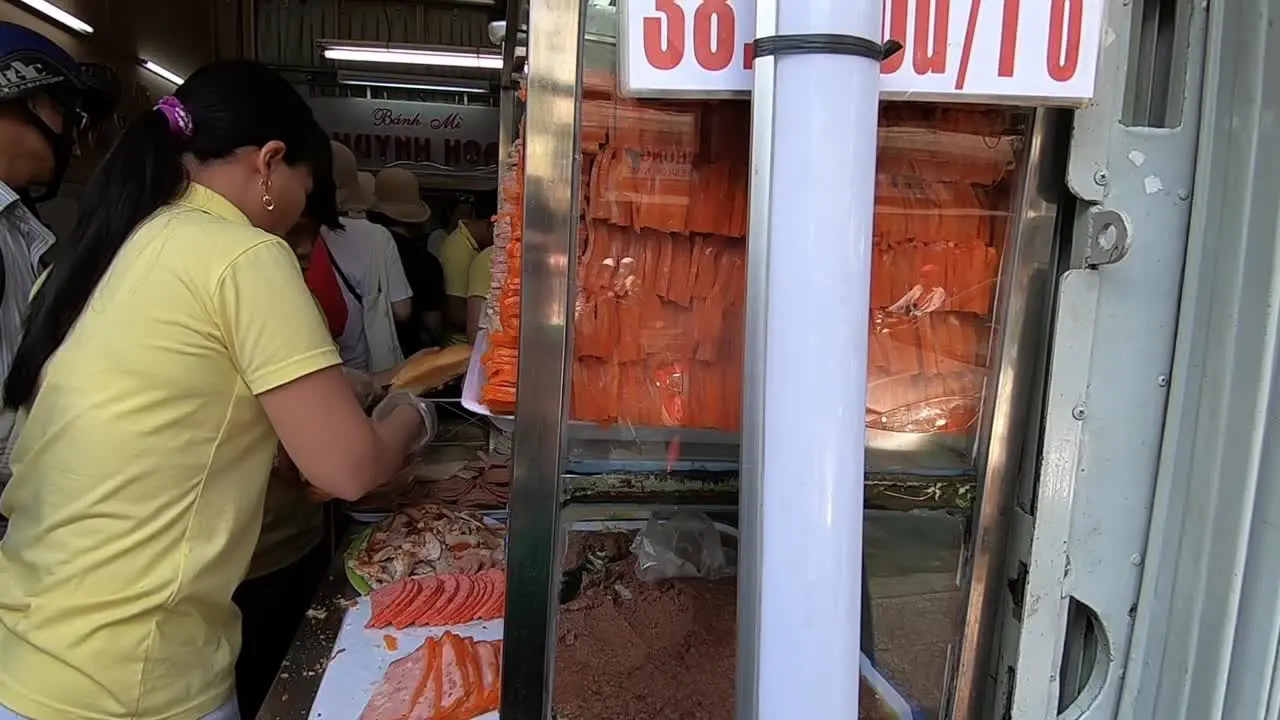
[(457, 252), (171, 346), (477, 291)]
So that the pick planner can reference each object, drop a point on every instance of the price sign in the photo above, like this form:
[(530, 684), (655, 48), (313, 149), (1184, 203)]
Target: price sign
[(1014, 51), (696, 48)]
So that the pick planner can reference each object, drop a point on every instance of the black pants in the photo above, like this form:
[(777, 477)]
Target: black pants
[(272, 607)]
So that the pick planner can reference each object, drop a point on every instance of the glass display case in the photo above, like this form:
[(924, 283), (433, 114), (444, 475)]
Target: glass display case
[(615, 328)]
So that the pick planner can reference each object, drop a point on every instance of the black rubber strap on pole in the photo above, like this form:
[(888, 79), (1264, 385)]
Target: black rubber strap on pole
[(825, 44)]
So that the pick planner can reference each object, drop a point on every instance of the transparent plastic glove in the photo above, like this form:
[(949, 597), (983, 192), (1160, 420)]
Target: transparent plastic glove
[(425, 408), (362, 385)]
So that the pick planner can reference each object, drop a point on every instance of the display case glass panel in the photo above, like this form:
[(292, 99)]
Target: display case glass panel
[(657, 355)]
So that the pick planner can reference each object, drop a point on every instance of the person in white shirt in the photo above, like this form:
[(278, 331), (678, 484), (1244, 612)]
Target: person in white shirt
[(371, 276), (377, 293)]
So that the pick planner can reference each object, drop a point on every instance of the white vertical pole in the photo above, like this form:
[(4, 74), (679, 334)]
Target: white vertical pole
[(813, 156)]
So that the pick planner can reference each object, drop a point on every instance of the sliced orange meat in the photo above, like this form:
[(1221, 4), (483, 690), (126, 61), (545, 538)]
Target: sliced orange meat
[(406, 610), (490, 674), (406, 604), (432, 615), (453, 685), (403, 590), (431, 589), (399, 689), (466, 612), (679, 291), (484, 591), (426, 705), (498, 606), (466, 586), (474, 701), (380, 600)]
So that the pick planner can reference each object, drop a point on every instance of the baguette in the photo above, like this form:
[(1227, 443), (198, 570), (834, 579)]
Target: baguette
[(428, 372)]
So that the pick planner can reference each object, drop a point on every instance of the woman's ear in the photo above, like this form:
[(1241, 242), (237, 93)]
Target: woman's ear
[(269, 157)]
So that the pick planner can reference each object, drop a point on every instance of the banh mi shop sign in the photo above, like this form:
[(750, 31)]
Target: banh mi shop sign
[(386, 132)]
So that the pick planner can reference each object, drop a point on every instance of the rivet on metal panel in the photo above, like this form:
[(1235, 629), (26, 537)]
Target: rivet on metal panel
[(1184, 195), (1108, 237), (1135, 560), (1100, 177), (1163, 381), (1079, 412)]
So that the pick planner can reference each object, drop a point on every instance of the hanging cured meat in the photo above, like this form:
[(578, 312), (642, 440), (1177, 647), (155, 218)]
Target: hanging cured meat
[(661, 274)]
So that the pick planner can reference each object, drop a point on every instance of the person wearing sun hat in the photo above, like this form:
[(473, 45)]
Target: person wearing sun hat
[(367, 191), (354, 197), (365, 259), (400, 209), (396, 190)]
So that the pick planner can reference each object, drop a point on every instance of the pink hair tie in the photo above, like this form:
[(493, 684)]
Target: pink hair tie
[(180, 124)]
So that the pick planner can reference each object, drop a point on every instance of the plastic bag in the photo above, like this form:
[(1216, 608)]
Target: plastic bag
[(684, 545)]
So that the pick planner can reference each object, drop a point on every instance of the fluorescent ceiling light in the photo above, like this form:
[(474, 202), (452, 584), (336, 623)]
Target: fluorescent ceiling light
[(59, 15), (414, 85), (441, 58), (163, 72)]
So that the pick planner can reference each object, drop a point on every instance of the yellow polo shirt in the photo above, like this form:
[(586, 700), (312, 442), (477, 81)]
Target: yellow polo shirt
[(478, 274), (457, 252), (140, 472)]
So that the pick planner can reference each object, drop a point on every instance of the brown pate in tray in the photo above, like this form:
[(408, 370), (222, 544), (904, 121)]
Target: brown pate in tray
[(628, 649)]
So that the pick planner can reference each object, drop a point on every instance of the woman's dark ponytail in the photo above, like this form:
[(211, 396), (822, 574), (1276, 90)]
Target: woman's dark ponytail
[(142, 172)]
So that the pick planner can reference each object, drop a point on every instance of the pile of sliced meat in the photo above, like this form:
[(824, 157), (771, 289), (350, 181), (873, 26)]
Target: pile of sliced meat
[(428, 540), (450, 677), (483, 484), (439, 600)]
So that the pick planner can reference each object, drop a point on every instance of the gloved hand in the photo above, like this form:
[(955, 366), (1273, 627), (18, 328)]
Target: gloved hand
[(425, 408), (362, 385)]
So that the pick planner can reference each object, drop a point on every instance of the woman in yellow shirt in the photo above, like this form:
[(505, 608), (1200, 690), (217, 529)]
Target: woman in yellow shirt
[(171, 343)]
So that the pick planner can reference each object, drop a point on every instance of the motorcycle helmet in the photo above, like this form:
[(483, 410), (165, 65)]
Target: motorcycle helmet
[(31, 63)]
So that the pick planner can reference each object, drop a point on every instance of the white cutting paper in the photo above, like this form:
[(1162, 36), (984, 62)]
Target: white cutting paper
[(360, 658)]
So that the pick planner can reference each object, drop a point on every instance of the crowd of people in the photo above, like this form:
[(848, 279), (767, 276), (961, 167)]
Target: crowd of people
[(187, 377)]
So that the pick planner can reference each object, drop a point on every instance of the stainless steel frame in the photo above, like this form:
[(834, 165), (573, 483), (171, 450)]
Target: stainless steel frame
[(751, 471), (546, 342), (1024, 307)]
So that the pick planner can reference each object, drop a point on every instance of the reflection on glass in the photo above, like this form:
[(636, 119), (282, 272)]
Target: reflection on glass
[(944, 192), (662, 263)]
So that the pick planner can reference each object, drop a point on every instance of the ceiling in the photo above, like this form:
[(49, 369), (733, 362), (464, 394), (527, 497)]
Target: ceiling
[(288, 30), (167, 33), (182, 35), (125, 30)]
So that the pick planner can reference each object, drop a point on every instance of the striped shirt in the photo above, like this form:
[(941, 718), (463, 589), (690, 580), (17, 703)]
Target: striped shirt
[(23, 241)]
